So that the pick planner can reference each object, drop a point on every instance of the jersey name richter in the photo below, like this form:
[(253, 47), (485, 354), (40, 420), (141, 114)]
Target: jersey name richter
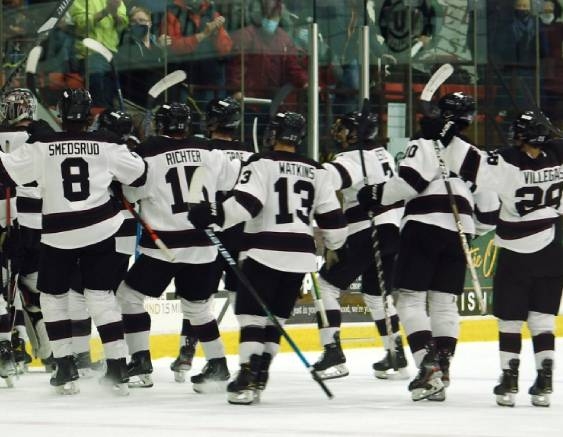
[(73, 172), (278, 195), (172, 163)]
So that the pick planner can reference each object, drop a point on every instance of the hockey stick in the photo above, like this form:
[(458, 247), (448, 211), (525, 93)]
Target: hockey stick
[(156, 90), (437, 79), (255, 134), (103, 51), (279, 97), (319, 305), (42, 34), (196, 187), (375, 241)]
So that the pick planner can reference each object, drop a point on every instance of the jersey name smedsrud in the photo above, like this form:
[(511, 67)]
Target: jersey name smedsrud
[(530, 190), (347, 176), (172, 163), (278, 195), (73, 172)]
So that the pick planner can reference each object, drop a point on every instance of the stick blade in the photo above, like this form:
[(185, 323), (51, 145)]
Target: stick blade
[(437, 79), (98, 47), (166, 82), (33, 59)]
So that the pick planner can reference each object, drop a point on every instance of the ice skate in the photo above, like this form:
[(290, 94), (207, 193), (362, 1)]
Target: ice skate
[(22, 358), (140, 369), (331, 365), (65, 377), (263, 375), (505, 392), (183, 363), (543, 385), (243, 390), (213, 377), (428, 382), (444, 357), (87, 368), (8, 368), (383, 369), (116, 377), (49, 364)]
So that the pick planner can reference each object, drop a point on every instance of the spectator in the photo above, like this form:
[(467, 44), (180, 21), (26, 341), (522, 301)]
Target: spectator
[(102, 20)]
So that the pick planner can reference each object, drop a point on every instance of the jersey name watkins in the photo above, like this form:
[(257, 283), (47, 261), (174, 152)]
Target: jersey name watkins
[(75, 148), (545, 175), (293, 168), (181, 156)]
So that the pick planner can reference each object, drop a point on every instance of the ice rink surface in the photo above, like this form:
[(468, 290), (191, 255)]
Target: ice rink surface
[(292, 405)]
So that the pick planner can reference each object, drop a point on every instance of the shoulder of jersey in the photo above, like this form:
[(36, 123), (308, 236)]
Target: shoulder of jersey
[(157, 145), (99, 136), (284, 156)]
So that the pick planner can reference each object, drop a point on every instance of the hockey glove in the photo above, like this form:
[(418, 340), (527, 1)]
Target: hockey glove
[(204, 214), (438, 129), (369, 197)]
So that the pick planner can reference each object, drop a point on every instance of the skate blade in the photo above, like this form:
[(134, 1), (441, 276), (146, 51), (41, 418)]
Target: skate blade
[(180, 376), (141, 381), (9, 380), (121, 389), (21, 368), (392, 375), (506, 400), (438, 397), (243, 397), (540, 400), (211, 387), (180, 367), (434, 386), (70, 388), (86, 373), (338, 371)]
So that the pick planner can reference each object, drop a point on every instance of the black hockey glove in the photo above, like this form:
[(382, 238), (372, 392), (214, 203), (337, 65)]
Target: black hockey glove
[(204, 214), (369, 197), (438, 129)]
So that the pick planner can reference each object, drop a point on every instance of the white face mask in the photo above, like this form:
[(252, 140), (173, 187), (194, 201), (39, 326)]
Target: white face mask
[(547, 18)]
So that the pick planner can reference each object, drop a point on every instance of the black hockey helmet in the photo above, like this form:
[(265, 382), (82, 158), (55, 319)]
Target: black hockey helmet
[(531, 127), (173, 118), (118, 122), (222, 115), (74, 105), (458, 107), (16, 105), (286, 127), (351, 122)]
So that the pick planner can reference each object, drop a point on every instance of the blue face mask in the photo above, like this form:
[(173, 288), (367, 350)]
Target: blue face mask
[(270, 26), (303, 36)]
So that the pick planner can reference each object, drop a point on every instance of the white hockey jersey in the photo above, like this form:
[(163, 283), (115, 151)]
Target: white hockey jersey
[(278, 195), (164, 206), (346, 175), (74, 171), (530, 190), (420, 184)]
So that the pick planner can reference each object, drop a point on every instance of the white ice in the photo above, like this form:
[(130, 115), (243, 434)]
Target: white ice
[(292, 405)]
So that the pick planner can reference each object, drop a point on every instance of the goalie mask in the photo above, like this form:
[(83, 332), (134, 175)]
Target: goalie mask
[(17, 105), (286, 127), (530, 127), (458, 107), (222, 115), (118, 122), (74, 105), (173, 118)]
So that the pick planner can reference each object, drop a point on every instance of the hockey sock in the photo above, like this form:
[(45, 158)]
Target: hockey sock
[(272, 338), (252, 336), (136, 321), (542, 327), (412, 311), (375, 305), (80, 321), (204, 326), (187, 331), (444, 319), (509, 341), (57, 323), (329, 296)]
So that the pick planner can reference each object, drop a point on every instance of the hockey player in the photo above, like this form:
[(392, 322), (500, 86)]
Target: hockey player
[(528, 278), (431, 264), (343, 267), (78, 224), (278, 195), (222, 120), (173, 157)]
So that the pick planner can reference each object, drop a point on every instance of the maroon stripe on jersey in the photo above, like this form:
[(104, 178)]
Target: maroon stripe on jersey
[(177, 239), (437, 203), (413, 178), (127, 229), (29, 205), (68, 221), (344, 175), (251, 204), (111, 331), (487, 218), (280, 241), (141, 180), (331, 220), (516, 230), (58, 330), (470, 165)]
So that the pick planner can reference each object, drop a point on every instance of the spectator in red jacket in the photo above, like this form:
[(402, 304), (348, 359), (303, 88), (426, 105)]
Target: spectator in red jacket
[(198, 42)]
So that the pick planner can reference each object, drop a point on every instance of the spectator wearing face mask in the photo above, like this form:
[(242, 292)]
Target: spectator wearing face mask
[(140, 59)]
